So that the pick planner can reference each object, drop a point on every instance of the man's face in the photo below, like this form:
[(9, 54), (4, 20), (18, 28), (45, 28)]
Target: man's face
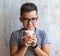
[(29, 20)]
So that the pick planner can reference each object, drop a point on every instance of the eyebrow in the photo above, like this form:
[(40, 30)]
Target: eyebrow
[(29, 18)]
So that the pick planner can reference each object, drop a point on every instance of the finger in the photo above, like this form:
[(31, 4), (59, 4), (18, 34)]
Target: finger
[(33, 41), (34, 34), (33, 37), (24, 36), (25, 40)]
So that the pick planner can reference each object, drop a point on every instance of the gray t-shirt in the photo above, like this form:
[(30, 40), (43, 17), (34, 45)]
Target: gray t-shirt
[(16, 39)]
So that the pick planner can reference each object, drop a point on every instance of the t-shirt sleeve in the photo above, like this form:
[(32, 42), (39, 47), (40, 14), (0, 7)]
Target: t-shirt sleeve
[(13, 39), (45, 38)]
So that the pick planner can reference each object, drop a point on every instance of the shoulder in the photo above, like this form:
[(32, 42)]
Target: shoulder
[(40, 31), (16, 32)]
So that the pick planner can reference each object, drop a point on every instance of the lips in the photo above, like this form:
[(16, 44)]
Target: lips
[(29, 25)]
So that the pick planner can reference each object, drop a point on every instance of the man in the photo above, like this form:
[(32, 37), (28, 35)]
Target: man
[(39, 41)]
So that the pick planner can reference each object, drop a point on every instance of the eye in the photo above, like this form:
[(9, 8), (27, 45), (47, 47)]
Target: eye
[(34, 18), (24, 19)]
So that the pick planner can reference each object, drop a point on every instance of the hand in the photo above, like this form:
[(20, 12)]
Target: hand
[(25, 40), (33, 39)]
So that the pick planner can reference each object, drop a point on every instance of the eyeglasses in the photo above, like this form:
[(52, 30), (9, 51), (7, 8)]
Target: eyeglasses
[(28, 20)]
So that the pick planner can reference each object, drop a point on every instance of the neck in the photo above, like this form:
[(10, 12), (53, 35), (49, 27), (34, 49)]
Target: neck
[(28, 29)]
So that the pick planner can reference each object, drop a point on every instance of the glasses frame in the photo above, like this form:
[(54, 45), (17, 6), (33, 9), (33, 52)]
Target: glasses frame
[(29, 19)]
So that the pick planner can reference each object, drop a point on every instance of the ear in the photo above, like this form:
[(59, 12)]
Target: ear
[(20, 19), (37, 16)]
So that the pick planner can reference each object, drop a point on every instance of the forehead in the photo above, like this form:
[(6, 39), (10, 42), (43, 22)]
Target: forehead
[(29, 14)]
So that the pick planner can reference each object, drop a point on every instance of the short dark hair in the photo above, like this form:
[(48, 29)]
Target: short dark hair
[(28, 7)]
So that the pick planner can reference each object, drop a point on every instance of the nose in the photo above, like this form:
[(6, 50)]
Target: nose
[(29, 21)]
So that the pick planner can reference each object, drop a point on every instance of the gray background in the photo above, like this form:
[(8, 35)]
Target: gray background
[(49, 20)]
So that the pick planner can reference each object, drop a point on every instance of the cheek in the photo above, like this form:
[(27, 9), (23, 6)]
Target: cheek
[(24, 24), (34, 23)]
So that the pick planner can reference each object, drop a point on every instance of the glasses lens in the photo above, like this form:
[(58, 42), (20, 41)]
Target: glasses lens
[(27, 19), (34, 19)]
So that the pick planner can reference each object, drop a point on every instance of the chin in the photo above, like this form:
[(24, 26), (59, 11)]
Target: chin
[(30, 28)]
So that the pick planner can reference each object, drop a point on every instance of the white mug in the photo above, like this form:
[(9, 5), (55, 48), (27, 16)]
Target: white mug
[(28, 32)]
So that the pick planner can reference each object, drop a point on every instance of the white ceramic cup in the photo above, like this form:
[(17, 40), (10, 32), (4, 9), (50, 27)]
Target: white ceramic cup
[(29, 33)]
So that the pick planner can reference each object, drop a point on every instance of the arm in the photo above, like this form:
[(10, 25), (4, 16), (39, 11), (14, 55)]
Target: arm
[(45, 51), (15, 52), (14, 48)]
